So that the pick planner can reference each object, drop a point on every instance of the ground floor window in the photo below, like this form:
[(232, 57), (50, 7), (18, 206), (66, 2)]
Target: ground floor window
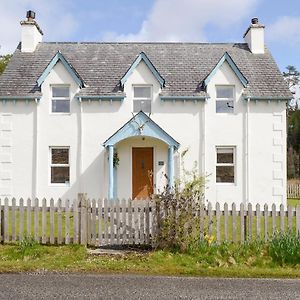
[(225, 164), (59, 165)]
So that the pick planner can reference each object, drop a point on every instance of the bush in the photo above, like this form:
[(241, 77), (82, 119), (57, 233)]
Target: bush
[(284, 248), (178, 213)]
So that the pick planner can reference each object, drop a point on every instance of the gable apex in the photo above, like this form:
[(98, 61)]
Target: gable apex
[(143, 57), (226, 57), (58, 57)]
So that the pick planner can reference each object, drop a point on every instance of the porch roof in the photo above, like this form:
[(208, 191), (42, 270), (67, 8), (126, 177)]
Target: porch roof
[(141, 125)]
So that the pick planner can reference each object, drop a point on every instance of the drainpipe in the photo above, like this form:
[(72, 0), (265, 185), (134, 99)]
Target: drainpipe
[(247, 154)]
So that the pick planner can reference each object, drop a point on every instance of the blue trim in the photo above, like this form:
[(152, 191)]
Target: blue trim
[(267, 98), (183, 98), (238, 73), (115, 183), (149, 128), (143, 56), (12, 98), (59, 57), (171, 167), (104, 97), (111, 172)]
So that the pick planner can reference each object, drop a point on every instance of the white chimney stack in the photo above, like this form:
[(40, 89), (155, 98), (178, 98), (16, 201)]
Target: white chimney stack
[(31, 33), (254, 37)]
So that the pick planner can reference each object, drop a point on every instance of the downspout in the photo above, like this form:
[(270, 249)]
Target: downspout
[(35, 189), (80, 165), (247, 155)]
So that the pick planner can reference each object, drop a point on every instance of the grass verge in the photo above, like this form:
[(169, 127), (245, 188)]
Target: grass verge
[(229, 261)]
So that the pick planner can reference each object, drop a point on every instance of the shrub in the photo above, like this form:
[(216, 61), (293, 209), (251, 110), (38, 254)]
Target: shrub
[(284, 248), (177, 212)]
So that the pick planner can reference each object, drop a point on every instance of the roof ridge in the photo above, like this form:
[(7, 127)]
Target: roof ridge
[(151, 43)]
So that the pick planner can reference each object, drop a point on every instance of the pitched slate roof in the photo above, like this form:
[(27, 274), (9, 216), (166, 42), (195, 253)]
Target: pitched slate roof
[(184, 66)]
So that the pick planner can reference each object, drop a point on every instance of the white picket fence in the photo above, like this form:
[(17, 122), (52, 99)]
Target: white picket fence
[(293, 191), (126, 222)]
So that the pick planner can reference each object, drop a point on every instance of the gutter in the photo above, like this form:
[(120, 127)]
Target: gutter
[(266, 98), (99, 97), (195, 98)]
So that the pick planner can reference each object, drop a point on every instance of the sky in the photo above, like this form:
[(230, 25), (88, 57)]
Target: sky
[(158, 20)]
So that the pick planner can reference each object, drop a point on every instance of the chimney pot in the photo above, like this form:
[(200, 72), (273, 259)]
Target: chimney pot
[(30, 15), (254, 20)]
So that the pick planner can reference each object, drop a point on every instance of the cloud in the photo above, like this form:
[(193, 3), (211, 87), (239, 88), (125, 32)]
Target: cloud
[(51, 16), (177, 20), (285, 30)]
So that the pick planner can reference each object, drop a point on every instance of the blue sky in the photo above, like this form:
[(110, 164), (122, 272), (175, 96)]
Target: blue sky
[(158, 20)]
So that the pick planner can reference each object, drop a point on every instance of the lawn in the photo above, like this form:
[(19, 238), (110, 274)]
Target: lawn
[(236, 262)]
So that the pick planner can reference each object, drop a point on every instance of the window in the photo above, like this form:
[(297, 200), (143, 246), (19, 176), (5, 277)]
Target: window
[(225, 164), (59, 165), (60, 102), (142, 96), (225, 99)]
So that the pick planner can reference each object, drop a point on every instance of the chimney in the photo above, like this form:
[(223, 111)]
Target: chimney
[(31, 33), (254, 37)]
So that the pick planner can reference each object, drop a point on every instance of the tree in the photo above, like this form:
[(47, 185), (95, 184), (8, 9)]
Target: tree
[(4, 59), (292, 77)]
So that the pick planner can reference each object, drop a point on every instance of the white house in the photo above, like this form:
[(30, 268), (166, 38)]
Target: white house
[(112, 119)]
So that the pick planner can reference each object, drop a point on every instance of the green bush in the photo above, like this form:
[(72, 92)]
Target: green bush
[(284, 248)]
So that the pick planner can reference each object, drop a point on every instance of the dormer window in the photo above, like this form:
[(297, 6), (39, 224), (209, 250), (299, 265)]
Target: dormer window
[(142, 97), (225, 99), (60, 101)]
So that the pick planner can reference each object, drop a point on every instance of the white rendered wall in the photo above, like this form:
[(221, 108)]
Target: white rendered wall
[(196, 126)]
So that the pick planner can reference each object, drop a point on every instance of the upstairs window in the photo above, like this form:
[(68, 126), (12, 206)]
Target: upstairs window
[(225, 164), (142, 97), (60, 102), (225, 99), (59, 165)]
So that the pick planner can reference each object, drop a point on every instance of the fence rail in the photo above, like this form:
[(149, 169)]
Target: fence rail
[(293, 190), (124, 222)]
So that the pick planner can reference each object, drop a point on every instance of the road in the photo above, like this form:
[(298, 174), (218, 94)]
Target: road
[(93, 286)]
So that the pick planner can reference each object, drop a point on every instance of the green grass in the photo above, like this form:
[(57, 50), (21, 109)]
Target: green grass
[(293, 202), (229, 261)]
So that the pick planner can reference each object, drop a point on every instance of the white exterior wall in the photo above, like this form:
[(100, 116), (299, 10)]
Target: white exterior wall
[(196, 126)]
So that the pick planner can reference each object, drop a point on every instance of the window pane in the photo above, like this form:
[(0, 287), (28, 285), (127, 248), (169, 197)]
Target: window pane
[(225, 174), (224, 106), (225, 156), (62, 106), (142, 92), (60, 92), (60, 156), (60, 175), (224, 92), (144, 105)]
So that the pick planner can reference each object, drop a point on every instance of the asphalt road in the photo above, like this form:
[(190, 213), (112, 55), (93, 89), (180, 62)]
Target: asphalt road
[(88, 286)]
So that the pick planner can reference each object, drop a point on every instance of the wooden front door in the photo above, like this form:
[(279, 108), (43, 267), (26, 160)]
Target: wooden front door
[(142, 173)]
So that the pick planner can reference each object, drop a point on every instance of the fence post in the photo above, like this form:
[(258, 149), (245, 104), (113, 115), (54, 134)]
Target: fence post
[(82, 205)]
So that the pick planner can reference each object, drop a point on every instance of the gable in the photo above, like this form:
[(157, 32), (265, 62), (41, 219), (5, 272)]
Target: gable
[(226, 58), (60, 58), (143, 58), (141, 125)]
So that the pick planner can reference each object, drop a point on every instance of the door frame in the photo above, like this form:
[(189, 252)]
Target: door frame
[(154, 167)]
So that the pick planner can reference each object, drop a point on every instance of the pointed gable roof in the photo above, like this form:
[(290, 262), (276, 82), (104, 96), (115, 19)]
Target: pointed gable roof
[(141, 125), (59, 57), (143, 57), (226, 57)]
